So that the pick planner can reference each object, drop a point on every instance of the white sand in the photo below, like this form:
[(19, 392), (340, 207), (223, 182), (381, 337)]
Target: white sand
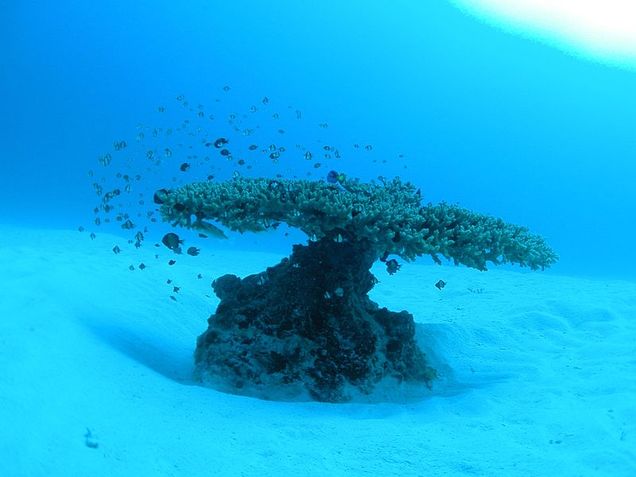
[(538, 374)]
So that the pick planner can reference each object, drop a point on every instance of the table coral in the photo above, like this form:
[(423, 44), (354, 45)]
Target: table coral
[(306, 326)]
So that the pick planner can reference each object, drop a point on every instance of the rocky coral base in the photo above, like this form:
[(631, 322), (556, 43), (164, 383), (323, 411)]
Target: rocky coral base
[(307, 326)]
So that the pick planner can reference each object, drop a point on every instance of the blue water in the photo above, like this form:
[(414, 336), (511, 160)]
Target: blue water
[(500, 124)]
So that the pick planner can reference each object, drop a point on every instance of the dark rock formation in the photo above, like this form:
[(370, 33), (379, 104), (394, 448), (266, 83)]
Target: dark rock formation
[(307, 327)]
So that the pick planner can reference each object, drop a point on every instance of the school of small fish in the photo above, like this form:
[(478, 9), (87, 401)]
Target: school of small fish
[(208, 144)]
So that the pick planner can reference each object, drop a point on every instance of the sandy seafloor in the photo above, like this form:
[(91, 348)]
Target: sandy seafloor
[(538, 374)]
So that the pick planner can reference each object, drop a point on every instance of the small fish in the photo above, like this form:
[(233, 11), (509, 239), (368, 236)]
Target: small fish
[(171, 262), (116, 249), (131, 267), (225, 152), (392, 266), (172, 241), (274, 155), (213, 230), (440, 284), (184, 167), (220, 142), (92, 235), (199, 276), (105, 160), (168, 281), (253, 147), (193, 251), (81, 229), (176, 289), (142, 266), (203, 236), (333, 177), (119, 145), (128, 225), (173, 298)]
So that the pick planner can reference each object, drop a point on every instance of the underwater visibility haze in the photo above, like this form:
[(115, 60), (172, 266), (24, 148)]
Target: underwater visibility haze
[(316, 238)]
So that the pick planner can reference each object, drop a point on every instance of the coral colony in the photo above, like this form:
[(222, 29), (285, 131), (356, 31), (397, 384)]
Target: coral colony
[(307, 325), (304, 328)]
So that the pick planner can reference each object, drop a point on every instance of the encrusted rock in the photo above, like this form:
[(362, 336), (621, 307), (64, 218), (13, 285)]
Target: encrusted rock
[(306, 327)]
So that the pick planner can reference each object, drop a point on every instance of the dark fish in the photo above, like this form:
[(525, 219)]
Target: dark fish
[(220, 142), (440, 284), (81, 229), (172, 241), (199, 276), (116, 249), (128, 225), (176, 289), (171, 262), (173, 298), (333, 177), (142, 266), (92, 235), (392, 266), (168, 281), (131, 267), (184, 167), (160, 196), (203, 236), (225, 152), (253, 147), (193, 251)]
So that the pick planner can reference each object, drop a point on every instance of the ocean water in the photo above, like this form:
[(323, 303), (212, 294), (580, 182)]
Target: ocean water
[(537, 367)]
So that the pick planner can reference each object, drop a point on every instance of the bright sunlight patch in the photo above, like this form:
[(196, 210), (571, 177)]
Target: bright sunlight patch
[(604, 30)]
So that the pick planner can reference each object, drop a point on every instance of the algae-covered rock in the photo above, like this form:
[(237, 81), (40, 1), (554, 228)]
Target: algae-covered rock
[(307, 326)]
